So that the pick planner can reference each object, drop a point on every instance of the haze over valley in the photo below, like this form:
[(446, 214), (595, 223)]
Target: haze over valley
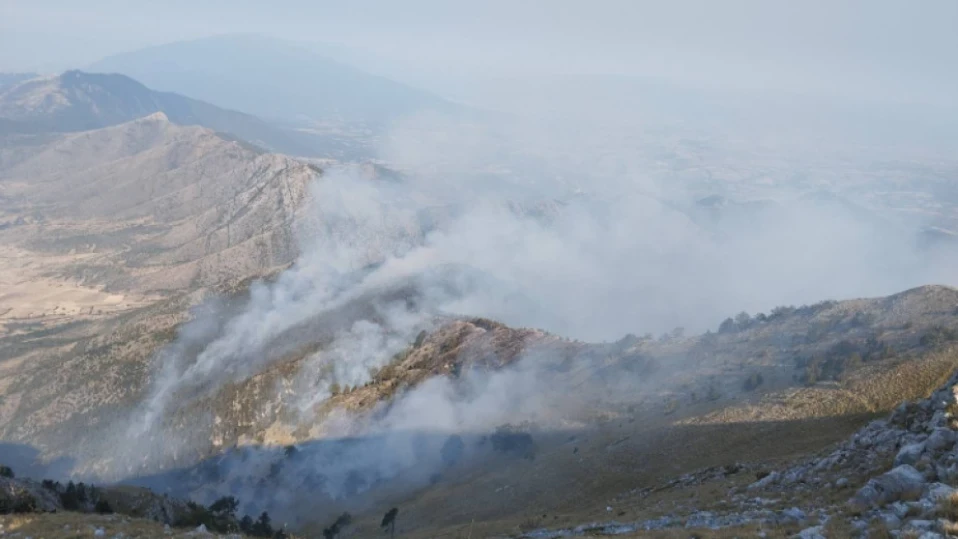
[(453, 277)]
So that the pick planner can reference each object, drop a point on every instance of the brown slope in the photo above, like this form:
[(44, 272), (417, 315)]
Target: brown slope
[(629, 434), (148, 196), (96, 228)]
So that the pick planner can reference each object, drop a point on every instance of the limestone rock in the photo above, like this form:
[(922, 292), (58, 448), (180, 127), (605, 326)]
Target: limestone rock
[(901, 483), (909, 454)]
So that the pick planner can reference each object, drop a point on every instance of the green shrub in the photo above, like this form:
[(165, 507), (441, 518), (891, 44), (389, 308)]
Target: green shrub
[(69, 498), (508, 439), (938, 335), (103, 507), (263, 526), (753, 381), (197, 515), (336, 527), (225, 506), (727, 326)]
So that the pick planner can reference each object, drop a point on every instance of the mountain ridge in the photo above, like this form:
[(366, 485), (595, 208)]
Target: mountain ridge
[(78, 101), (279, 80)]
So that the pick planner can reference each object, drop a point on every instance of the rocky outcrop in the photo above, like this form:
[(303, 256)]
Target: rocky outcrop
[(901, 483), (894, 476), (915, 495)]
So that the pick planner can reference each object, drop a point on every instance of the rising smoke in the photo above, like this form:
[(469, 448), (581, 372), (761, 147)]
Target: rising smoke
[(585, 251)]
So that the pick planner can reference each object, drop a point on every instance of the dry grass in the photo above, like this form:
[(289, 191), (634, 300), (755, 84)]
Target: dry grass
[(873, 389), (878, 529), (839, 526), (910, 378), (948, 507), (77, 525), (566, 489)]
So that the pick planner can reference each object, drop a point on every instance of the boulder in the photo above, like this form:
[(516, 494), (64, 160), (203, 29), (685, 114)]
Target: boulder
[(899, 509), (941, 439), (765, 481), (815, 532), (794, 513), (920, 525), (909, 454), (939, 491), (892, 522), (948, 473), (901, 483)]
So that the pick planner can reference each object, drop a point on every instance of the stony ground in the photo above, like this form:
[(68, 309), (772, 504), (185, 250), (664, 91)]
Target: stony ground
[(895, 477)]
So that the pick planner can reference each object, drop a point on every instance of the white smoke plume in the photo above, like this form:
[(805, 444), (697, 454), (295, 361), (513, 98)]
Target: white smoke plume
[(592, 253)]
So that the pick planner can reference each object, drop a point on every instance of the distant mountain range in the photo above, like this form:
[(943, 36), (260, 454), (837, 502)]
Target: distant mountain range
[(273, 79), (79, 101)]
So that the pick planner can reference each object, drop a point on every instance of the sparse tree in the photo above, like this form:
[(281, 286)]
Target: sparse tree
[(6, 471), (341, 522), (742, 320), (69, 499), (509, 439), (813, 370), (854, 361), (263, 526), (753, 381), (103, 507), (225, 506), (727, 326), (389, 521)]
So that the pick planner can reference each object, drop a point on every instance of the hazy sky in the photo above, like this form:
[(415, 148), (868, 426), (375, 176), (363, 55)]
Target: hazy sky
[(890, 49)]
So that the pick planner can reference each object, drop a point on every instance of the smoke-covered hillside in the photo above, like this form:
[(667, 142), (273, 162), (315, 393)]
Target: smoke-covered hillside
[(674, 269)]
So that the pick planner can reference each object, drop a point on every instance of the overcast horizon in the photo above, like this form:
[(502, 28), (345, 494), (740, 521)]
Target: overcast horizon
[(873, 51)]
